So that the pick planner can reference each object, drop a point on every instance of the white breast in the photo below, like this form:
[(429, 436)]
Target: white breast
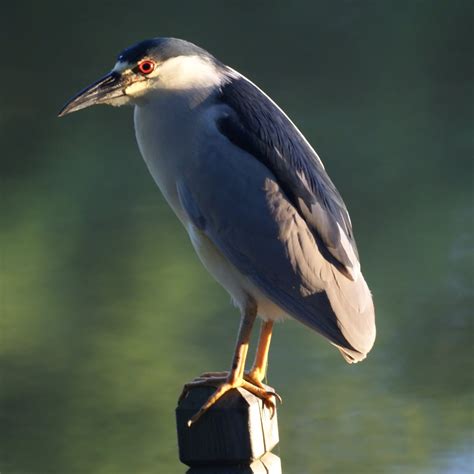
[(166, 134), (163, 140)]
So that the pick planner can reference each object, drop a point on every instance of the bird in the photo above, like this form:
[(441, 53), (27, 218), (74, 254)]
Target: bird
[(260, 210)]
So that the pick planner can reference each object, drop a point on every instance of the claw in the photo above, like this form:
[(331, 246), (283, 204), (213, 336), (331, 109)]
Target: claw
[(270, 404), (195, 417), (276, 395), (223, 385), (272, 408)]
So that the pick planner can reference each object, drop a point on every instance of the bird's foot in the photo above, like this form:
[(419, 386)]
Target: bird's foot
[(223, 383), (256, 377)]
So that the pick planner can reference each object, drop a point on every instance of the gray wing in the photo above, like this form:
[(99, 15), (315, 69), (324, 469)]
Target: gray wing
[(238, 203), (258, 126)]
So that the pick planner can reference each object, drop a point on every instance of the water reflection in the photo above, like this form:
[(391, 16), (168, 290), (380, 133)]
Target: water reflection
[(106, 310)]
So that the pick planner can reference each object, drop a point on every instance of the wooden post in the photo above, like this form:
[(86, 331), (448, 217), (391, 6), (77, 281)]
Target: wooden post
[(235, 436)]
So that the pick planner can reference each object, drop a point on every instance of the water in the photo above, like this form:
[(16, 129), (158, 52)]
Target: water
[(105, 309)]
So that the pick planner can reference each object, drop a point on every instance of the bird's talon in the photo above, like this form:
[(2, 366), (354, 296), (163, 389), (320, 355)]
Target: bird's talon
[(275, 394), (270, 405), (253, 380), (195, 417), (223, 385)]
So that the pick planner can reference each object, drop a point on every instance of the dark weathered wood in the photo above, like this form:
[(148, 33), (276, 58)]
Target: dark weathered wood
[(234, 436)]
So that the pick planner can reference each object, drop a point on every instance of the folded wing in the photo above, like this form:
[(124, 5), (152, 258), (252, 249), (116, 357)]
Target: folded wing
[(258, 126)]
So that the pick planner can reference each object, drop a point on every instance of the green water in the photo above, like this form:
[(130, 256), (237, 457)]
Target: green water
[(105, 309)]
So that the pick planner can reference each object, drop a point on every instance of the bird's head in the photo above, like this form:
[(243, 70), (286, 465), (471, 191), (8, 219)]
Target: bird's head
[(148, 68)]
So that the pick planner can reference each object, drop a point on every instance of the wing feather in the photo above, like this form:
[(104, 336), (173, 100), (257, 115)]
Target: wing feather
[(258, 126), (238, 204)]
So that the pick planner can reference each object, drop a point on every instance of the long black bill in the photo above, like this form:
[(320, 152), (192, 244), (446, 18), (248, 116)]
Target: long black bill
[(108, 87)]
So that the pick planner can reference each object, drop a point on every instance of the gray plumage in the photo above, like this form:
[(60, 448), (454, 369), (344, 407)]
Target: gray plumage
[(239, 205), (260, 209), (261, 128)]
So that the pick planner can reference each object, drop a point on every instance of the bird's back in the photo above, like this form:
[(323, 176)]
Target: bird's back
[(261, 128), (240, 207)]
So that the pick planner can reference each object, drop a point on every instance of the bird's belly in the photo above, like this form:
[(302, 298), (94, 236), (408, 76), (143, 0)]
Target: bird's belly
[(163, 162), (237, 285)]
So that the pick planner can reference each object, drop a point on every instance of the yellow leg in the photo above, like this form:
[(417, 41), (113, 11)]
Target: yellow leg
[(259, 369), (235, 378)]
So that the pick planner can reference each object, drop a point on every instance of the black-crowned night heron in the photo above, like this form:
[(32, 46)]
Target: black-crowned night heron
[(261, 212)]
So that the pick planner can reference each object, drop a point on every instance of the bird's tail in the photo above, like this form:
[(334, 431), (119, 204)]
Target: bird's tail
[(351, 357), (352, 303)]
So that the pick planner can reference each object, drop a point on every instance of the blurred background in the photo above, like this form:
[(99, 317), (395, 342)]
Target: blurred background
[(105, 309)]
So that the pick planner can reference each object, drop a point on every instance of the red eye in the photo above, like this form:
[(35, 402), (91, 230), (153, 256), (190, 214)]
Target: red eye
[(146, 66)]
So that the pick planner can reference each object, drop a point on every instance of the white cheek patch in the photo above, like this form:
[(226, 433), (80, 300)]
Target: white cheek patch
[(187, 73), (182, 73), (140, 85), (137, 88), (119, 101)]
